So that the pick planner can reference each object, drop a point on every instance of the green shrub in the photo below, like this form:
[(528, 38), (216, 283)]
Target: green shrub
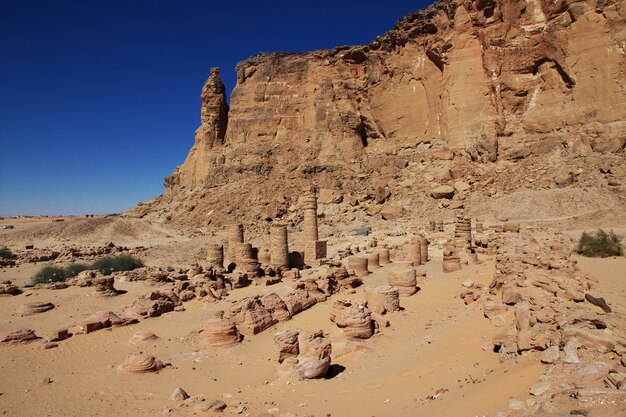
[(116, 263), (49, 274), (7, 254), (600, 244), (74, 269)]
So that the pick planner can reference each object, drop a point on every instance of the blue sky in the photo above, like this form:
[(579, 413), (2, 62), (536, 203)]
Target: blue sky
[(99, 99)]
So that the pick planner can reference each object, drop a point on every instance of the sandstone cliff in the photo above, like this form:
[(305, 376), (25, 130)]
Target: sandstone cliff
[(492, 80)]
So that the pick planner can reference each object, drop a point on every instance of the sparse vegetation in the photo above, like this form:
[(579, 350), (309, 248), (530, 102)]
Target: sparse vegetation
[(49, 274), (6, 253), (600, 244), (74, 269), (105, 266), (111, 264)]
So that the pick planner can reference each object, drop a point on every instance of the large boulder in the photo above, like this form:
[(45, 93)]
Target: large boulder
[(314, 357)]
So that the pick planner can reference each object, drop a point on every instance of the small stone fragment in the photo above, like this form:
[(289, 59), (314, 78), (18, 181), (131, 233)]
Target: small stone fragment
[(179, 394)]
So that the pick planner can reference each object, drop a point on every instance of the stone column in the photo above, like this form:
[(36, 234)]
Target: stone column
[(279, 247), (314, 249), (451, 259), (234, 236), (413, 252), (383, 256), (424, 248), (243, 251), (404, 279), (359, 265), (215, 255), (310, 216), (373, 261), (463, 231)]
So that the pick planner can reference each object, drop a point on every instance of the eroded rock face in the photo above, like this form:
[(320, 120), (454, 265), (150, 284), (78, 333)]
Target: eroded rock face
[(458, 73)]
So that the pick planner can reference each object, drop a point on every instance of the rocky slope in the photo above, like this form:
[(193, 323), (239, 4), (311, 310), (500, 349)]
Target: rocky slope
[(459, 91)]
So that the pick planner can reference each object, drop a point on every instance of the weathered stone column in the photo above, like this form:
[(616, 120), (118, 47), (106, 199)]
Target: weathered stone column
[(383, 256), (314, 249), (373, 261), (234, 236), (424, 248), (359, 265), (279, 246), (215, 255), (463, 231), (310, 216), (243, 251), (413, 252)]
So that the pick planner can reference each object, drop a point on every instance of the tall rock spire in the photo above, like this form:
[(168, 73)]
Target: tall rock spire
[(214, 121), (214, 113)]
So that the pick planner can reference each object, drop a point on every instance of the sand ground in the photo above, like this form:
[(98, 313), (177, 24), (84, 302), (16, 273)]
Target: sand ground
[(435, 343)]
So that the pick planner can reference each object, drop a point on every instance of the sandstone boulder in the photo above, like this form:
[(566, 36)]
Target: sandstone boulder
[(250, 316), (276, 306), (354, 319), (9, 289), (327, 196), (286, 344), (443, 191), (152, 305), (18, 336), (141, 363), (141, 337), (219, 332), (314, 357), (34, 308)]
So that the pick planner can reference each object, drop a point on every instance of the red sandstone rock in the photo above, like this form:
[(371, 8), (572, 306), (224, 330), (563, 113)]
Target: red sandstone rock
[(355, 320), (34, 308), (18, 336), (250, 316), (141, 363)]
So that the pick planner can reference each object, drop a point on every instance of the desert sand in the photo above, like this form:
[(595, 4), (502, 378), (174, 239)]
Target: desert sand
[(435, 358)]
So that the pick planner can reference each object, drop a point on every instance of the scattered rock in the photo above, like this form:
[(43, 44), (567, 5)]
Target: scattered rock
[(34, 308), (443, 191), (141, 363), (550, 355), (219, 332), (179, 394), (141, 337), (599, 302), (18, 336)]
